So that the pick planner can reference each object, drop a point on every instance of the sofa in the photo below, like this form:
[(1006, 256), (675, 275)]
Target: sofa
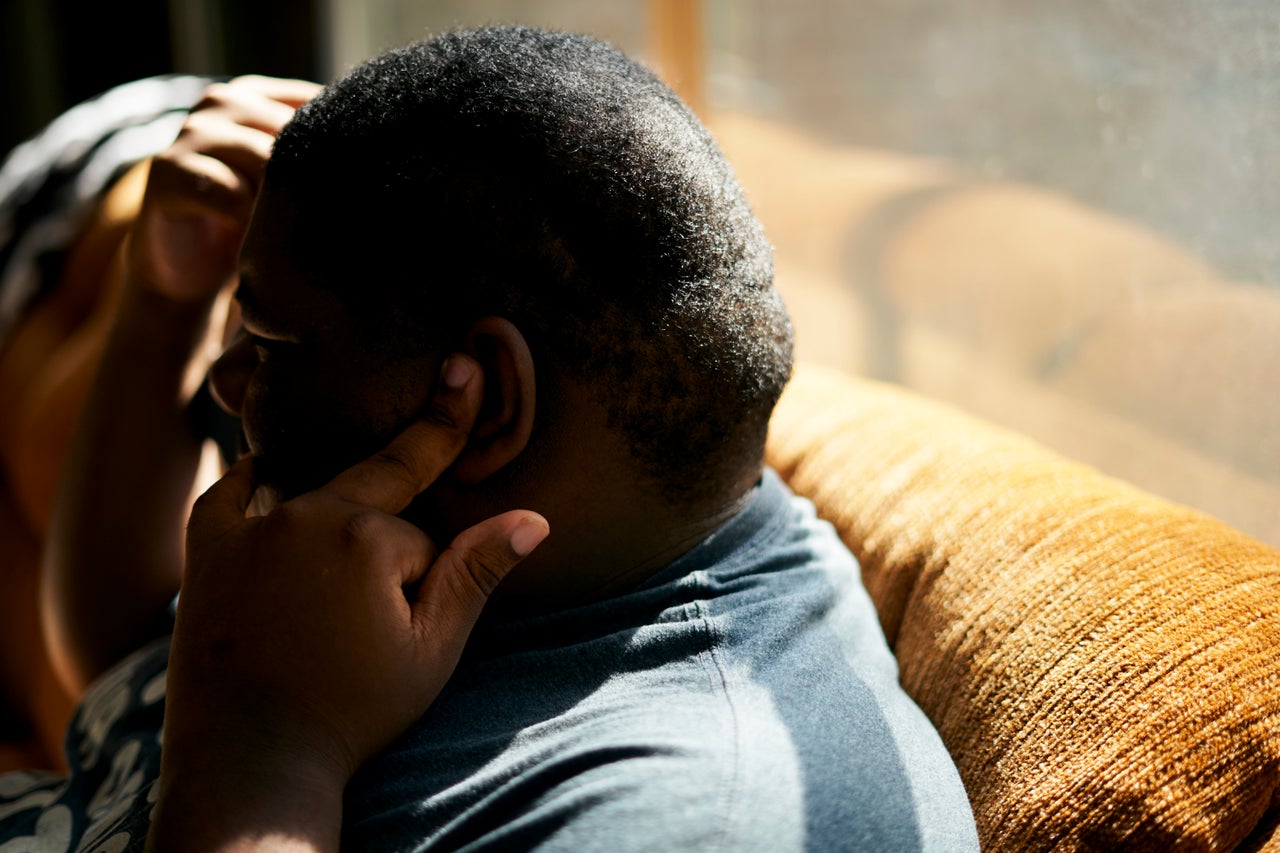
[(1101, 664)]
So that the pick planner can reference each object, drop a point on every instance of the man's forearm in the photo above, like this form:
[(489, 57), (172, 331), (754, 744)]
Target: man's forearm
[(114, 555)]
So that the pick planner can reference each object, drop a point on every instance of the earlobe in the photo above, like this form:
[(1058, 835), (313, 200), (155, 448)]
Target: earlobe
[(505, 423)]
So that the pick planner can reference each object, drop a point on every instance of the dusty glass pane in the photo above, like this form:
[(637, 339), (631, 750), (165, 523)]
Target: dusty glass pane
[(1058, 214), (358, 30)]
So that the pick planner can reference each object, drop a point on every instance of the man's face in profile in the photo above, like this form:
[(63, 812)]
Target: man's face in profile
[(314, 394)]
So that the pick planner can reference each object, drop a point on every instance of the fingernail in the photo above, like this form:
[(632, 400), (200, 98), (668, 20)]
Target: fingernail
[(457, 372), (527, 535)]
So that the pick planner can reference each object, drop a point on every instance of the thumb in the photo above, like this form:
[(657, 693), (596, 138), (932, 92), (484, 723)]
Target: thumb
[(223, 505), (461, 580)]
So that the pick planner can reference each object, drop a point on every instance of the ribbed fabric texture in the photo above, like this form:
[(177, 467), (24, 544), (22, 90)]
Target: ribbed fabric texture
[(1103, 665)]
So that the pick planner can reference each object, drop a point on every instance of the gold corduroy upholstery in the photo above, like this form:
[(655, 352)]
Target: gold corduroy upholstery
[(1103, 666)]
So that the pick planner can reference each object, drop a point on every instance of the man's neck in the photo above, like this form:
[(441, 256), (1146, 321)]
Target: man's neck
[(684, 531), (612, 524), (605, 543)]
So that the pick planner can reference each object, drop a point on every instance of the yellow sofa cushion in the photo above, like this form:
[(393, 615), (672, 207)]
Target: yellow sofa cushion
[(1103, 665)]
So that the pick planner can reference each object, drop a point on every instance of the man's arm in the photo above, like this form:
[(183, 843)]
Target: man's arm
[(114, 555), (309, 638)]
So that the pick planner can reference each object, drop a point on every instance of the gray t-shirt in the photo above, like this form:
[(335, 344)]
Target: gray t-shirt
[(742, 698)]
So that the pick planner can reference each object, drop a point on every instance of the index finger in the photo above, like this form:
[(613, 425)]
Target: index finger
[(286, 90), (222, 506), (416, 458)]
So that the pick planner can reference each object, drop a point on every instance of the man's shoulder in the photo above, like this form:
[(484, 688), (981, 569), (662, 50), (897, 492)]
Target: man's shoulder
[(745, 699), (804, 664), (643, 766), (631, 767)]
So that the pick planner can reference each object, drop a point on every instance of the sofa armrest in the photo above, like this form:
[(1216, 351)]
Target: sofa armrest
[(1103, 665)]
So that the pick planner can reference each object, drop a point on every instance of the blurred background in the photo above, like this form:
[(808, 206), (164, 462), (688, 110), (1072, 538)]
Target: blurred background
[(1057, 214)]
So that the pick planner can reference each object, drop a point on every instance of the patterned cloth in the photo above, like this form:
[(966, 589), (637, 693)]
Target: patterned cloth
[(113, 750), (48, 188), (50, 183)]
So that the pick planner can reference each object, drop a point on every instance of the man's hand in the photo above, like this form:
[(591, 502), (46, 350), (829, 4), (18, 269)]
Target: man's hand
[(114, 553), (201, 190), (308, 638)]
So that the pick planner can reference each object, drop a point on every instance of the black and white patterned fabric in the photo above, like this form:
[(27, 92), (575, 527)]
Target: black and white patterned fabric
[(50, 183), (112, 748)]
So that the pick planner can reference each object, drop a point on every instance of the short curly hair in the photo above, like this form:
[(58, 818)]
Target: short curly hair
[(547, 178)]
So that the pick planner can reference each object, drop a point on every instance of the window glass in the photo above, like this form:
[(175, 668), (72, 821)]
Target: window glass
[(1057, 214), (358, 30)]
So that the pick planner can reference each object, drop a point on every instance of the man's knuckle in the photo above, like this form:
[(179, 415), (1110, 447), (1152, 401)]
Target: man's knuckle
[(214, 95), (399, 468), (167, 163), (361, 530), (285, 518), (196, 120), (485, 570), (443, 417)]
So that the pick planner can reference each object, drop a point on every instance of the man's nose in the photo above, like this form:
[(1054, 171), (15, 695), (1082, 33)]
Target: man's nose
[(229, 376)]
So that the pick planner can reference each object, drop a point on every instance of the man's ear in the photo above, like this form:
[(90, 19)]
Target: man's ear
[(505, 421)]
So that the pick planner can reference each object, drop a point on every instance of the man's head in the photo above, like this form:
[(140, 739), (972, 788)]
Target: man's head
[(451, 193)]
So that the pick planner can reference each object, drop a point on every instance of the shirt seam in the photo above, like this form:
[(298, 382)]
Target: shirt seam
[(721, 679)]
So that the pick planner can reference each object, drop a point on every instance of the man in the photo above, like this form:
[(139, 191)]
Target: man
[(517, 263)]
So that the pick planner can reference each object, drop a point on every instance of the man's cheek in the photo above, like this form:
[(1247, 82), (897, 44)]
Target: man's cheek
[(288, 434), (306, 444)]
